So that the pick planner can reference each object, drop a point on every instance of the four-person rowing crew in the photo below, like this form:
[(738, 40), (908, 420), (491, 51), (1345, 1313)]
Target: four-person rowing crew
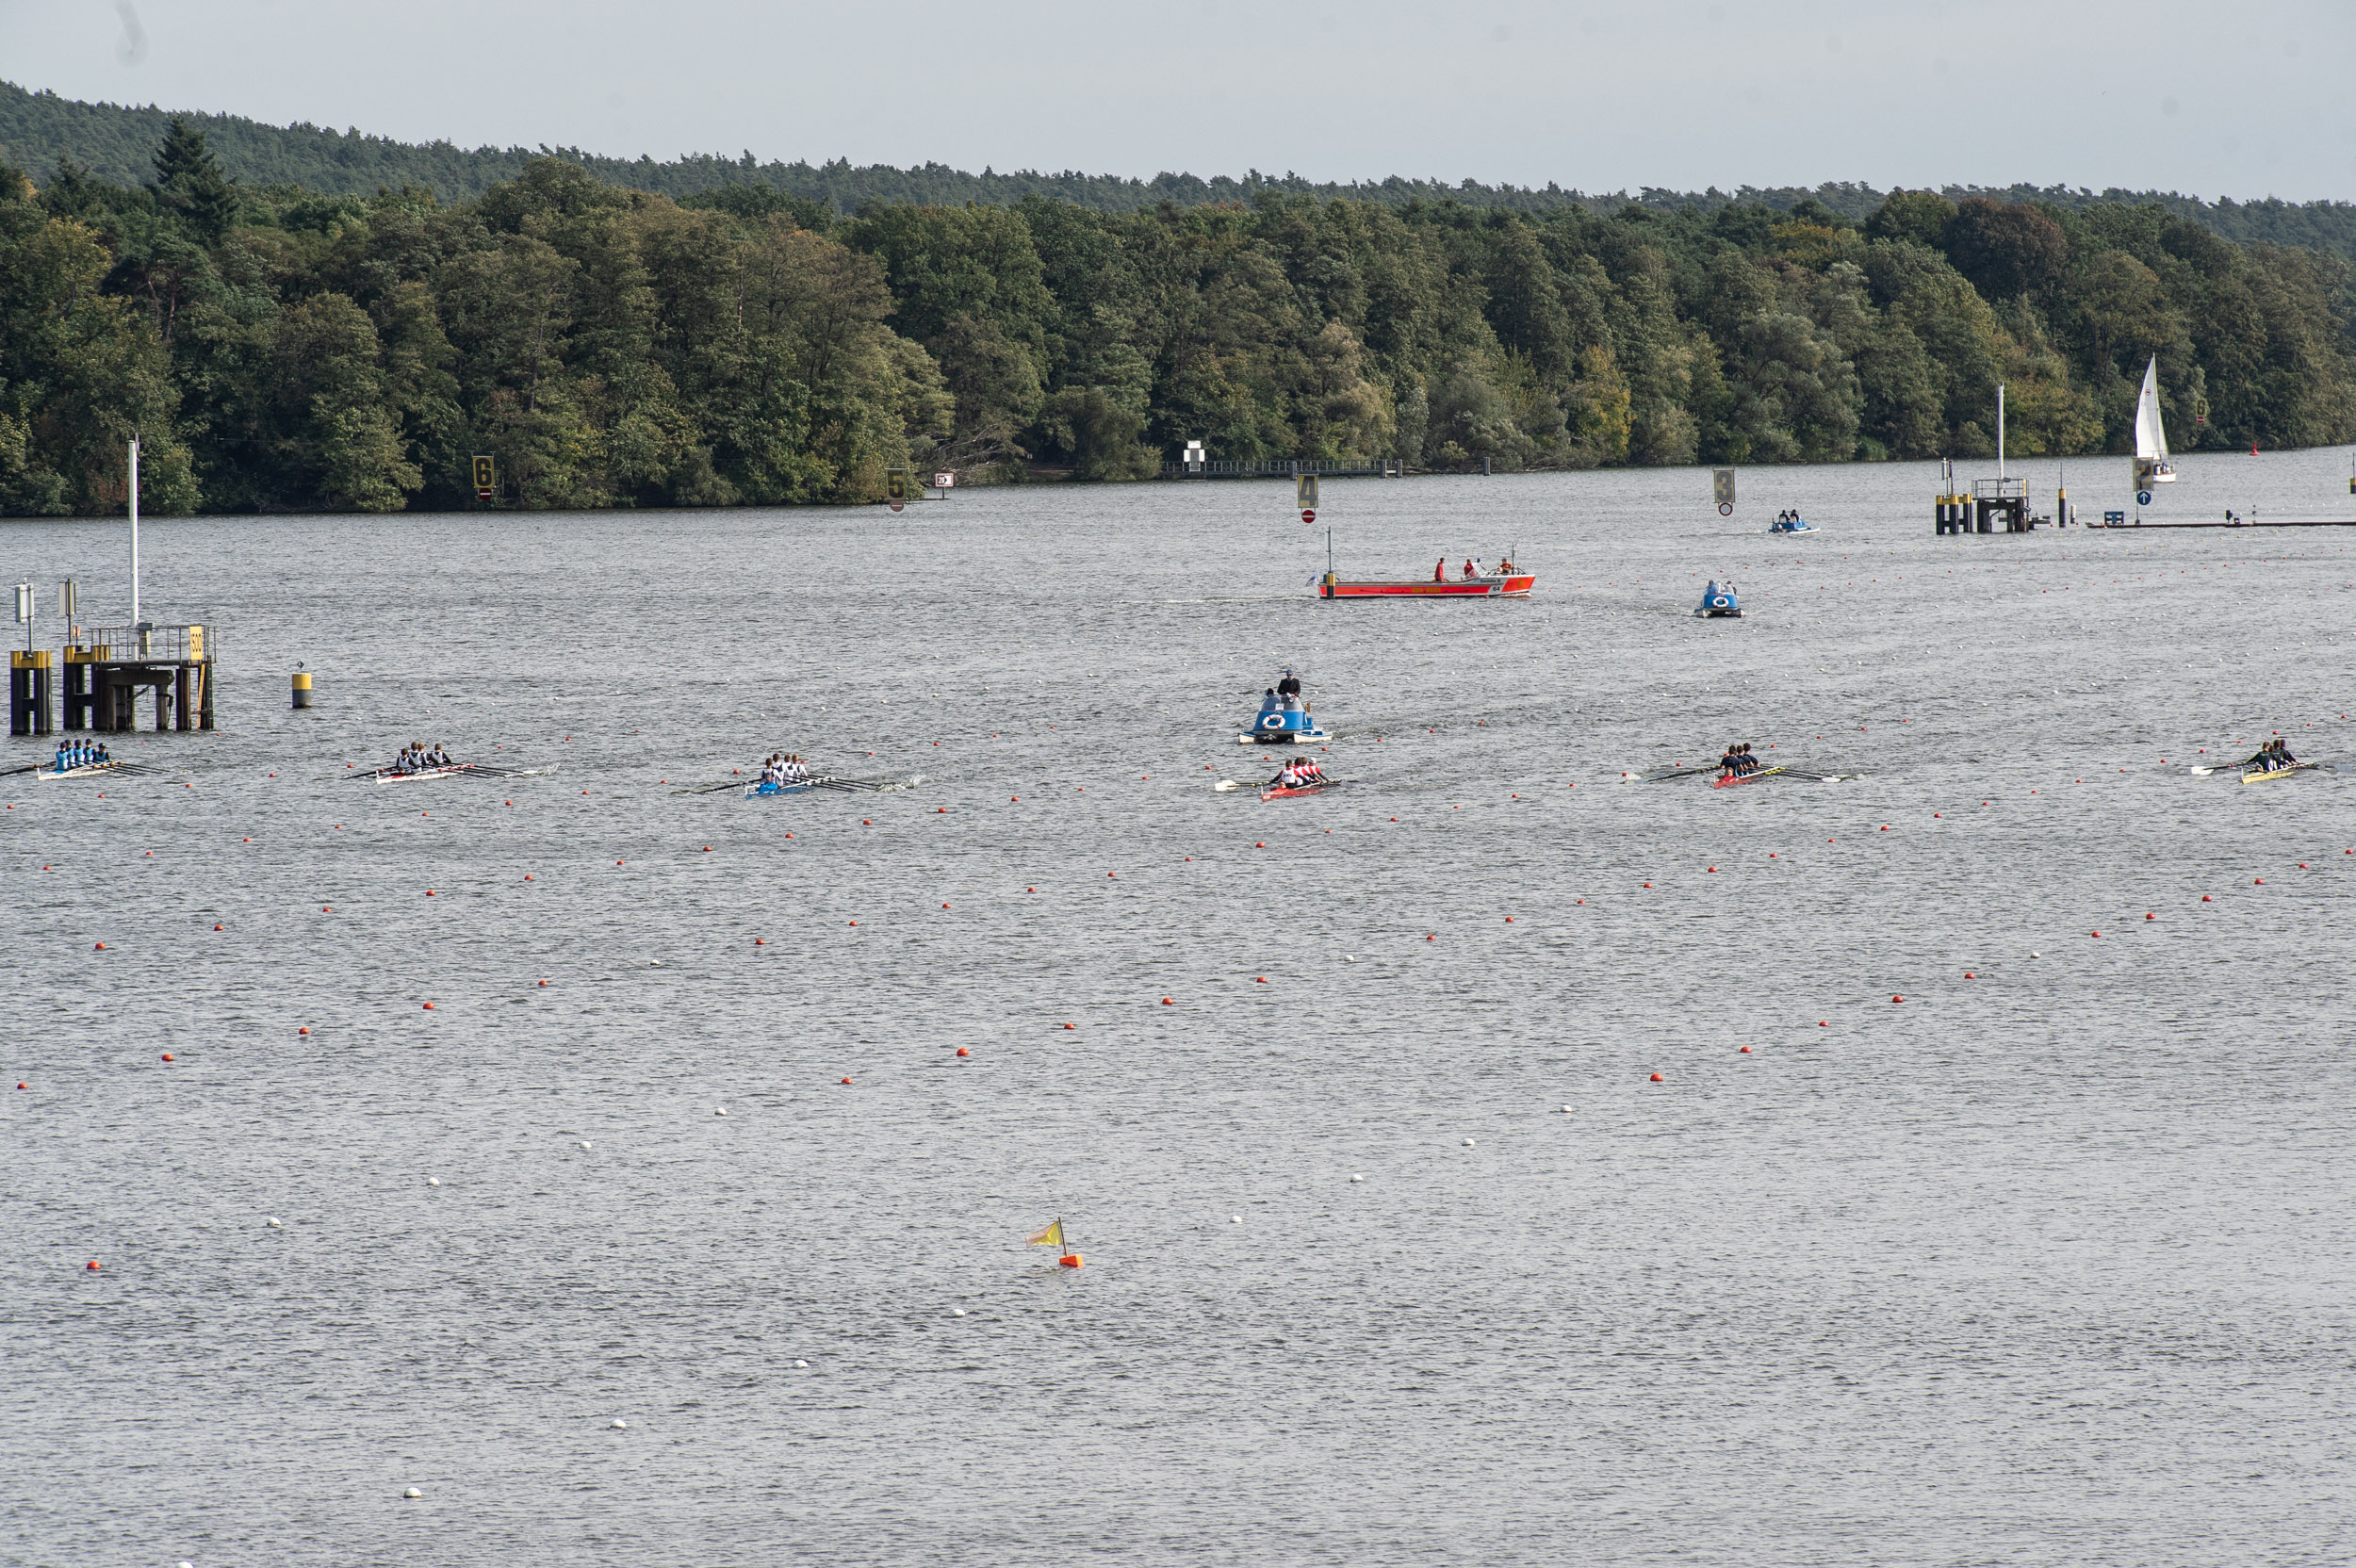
[(417, 756), (783, 769), (74, 754), (1298, 773), (2273, 757)]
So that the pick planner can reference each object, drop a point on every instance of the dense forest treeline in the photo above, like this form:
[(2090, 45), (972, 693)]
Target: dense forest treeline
[(41, 131), (278, 348)]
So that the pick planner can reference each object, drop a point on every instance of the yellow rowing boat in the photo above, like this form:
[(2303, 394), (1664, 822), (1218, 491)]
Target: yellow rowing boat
[(2270, 775)]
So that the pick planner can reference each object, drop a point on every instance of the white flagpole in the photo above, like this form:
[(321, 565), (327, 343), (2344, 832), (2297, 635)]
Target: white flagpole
[(135, 531)]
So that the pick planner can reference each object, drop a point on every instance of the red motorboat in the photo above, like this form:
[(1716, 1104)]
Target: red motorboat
[(1514, 585)]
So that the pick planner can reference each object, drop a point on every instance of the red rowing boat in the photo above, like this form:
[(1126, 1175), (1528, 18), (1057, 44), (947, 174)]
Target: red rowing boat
[(1278, 792), (1745, 777), (1513, 587)]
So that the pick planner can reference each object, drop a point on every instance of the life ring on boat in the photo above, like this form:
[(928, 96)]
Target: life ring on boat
[(1272, 721), (1719, 601)]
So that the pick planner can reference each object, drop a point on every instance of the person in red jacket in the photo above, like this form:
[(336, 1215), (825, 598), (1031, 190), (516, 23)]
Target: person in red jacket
[(1439, 572)]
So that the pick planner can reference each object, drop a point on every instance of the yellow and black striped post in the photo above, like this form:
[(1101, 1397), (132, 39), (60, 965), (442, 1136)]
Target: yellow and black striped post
[(30, 709), (302, 688)]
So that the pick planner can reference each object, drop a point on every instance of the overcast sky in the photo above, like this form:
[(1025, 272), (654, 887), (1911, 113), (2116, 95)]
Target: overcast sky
[(2242, 99)]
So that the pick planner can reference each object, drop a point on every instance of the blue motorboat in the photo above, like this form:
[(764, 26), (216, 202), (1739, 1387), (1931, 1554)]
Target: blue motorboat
[(1283, 718), (1790, 522), (1718, 603)]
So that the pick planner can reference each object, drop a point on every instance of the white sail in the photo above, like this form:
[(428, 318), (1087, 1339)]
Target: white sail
[(2152, 464)]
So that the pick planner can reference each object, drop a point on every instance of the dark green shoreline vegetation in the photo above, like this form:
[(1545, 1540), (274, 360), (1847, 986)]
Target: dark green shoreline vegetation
[(280, 348)]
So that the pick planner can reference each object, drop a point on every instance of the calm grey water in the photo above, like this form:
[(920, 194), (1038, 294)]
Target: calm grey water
[(2048, 1266)]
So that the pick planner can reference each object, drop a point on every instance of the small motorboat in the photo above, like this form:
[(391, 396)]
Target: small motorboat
[(1283, 718), (1718, 603), (1790, 522)]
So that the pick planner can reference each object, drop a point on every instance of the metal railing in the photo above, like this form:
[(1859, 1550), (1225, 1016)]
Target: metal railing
[(172, 644), (1282, 467)]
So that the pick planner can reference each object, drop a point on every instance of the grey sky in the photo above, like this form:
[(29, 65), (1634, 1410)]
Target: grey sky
[(2244, 99)]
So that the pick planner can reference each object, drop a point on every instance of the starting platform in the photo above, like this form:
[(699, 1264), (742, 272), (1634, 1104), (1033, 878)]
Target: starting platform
[(106, 673)]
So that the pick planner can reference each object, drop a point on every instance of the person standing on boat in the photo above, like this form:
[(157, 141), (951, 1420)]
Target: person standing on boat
[(1439, 573), (1290, 685)]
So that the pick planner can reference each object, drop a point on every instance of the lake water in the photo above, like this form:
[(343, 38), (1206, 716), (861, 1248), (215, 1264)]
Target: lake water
[(1395, 1251)]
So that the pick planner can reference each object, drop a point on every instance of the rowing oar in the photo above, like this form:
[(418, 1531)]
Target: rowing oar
[(1677, 773), (29, 767), (711, 788)]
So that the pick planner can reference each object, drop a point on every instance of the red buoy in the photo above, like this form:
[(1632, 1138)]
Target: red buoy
[(1746, 1051), (1656, 1077), (963, 1051)]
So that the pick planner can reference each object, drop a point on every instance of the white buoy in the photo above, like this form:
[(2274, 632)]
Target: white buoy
[(957, 1312), (584, 1145), (1468, 1143), (274, 1224), (719, 1110), (2037, 954), (1357, 1178), (801, 1364), (620, 1425), (1567, 1110), (1237, 1220), (1350, 957), (413, 1491), (654, 963), (434, 1180)]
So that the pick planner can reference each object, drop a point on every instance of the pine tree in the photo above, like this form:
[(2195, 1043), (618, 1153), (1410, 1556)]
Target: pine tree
[(189, 184)]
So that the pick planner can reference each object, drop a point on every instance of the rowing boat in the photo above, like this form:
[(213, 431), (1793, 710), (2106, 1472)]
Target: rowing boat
[(1279, 791), (390, 776), (88, 770), (772, 787), (1745, 777), (2268, 775)]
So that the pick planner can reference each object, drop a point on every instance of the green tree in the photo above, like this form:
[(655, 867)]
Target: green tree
[(189, 184)]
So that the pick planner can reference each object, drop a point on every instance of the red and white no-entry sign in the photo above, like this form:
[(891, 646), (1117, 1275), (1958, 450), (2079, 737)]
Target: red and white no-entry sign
[(1308, 514)]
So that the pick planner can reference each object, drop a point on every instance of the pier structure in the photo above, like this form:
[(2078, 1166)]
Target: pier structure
[(1198, 467), (106, 673), (1989, 502)]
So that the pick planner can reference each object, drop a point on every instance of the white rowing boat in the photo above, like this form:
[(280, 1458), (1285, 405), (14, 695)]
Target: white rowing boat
[(88, 770)]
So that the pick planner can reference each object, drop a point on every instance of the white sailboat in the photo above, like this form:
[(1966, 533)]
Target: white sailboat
[(2152, 464)]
